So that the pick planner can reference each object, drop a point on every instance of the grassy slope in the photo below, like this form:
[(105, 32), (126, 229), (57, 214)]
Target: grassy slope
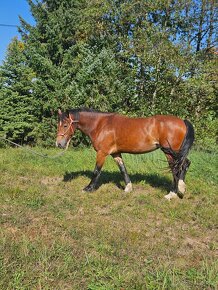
[(53, 236)]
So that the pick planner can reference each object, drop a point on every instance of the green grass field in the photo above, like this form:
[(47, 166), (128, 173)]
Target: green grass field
[(54, 236)]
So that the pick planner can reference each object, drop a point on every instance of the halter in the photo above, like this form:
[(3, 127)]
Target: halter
[(71, 123)]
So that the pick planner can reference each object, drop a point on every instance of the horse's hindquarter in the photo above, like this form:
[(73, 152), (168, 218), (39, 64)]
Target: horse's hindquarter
[(171, 131)]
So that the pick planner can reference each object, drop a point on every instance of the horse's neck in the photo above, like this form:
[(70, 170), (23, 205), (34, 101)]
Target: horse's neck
[(87, 123)]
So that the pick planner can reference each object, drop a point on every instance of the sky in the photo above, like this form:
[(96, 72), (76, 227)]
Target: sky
[(9, 12)]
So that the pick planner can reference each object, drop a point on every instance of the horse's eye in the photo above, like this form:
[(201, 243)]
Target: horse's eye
[(65, 125)]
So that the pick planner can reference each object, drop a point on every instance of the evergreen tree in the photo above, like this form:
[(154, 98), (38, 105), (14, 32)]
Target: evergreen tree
[(17, 117)]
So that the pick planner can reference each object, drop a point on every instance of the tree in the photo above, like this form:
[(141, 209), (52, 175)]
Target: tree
[(17, 115)]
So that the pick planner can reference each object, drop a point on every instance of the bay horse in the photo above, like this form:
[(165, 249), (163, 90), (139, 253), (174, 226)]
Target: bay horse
[(114, 134)]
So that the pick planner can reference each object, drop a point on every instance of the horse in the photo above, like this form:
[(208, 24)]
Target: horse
[(114, 134)]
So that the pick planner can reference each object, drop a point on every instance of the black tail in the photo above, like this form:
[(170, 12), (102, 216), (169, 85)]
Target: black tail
[(179, 157), (188, 140)]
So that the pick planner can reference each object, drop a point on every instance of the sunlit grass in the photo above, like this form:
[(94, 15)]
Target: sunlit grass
[(54, 236)]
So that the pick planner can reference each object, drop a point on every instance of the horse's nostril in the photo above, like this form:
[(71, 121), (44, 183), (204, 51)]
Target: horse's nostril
[(58, 145)]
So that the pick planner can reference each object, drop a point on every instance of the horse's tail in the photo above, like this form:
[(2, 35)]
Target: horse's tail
[(180, 156), (188, 140)]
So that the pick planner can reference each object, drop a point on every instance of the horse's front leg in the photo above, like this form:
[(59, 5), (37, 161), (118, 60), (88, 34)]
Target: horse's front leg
[(96, 173), (118, 159)]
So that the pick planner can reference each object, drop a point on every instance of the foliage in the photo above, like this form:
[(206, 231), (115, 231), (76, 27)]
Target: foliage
[(17, 115), (134, 57)]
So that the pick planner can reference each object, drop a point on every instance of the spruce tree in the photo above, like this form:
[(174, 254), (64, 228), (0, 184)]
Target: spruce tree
[(17, 117)]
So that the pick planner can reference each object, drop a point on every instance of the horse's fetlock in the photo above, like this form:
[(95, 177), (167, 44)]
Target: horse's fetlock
[(128, 187), (181, 186)]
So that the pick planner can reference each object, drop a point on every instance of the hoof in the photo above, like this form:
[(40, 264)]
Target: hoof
[(171, 195), (128, 188), (181, 186), (180, 195), (88, 189)]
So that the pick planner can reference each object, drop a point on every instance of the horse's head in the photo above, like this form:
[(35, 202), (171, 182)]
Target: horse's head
[(66, 128)]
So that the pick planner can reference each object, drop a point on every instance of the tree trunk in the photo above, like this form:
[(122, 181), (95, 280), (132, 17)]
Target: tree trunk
[(200, 28), (211, 23)]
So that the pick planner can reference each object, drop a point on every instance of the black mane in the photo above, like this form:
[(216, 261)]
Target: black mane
[(89, 110)]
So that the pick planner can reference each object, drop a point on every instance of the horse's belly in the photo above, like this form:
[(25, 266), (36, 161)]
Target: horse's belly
[(138, 146)]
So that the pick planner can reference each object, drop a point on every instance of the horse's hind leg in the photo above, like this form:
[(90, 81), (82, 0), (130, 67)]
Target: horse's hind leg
[(179, 170), (174, 192), (96, 173), (181, 182), (118, 159)]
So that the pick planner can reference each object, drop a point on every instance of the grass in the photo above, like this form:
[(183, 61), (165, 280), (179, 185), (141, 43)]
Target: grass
[(54, 236)]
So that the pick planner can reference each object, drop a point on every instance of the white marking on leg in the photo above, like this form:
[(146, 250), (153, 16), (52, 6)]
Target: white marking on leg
[(181, 186), (118, 160), (171, 195), (128, 187)]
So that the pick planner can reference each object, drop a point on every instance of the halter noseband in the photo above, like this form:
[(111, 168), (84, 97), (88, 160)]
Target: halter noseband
[(71, 123)]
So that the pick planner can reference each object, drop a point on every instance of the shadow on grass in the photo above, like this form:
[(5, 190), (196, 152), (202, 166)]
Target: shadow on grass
[(154, 180)]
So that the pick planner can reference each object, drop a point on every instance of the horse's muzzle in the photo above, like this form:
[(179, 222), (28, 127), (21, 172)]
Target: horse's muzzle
[(61, 143)]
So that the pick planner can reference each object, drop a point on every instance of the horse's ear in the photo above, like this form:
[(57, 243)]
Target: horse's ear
[(59, 112)]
